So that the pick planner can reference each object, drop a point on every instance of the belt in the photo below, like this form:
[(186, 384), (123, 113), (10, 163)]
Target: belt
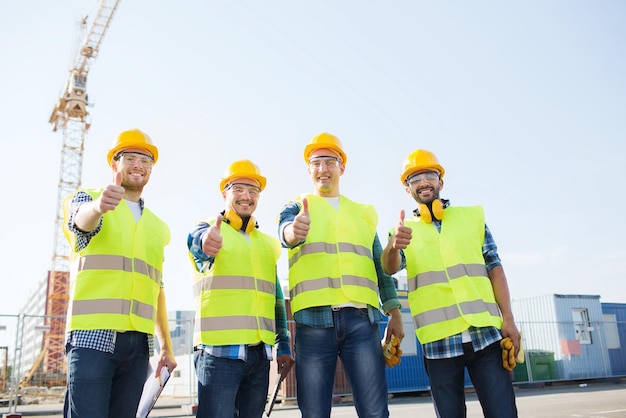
[(337, 308)]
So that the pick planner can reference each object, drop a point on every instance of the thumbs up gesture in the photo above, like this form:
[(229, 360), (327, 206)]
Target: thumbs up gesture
[(302, 222), (111, 195), (296, 232), (402, 234), (212, 238)]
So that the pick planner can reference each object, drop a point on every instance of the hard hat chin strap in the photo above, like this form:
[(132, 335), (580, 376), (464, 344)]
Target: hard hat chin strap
[(428, 211)]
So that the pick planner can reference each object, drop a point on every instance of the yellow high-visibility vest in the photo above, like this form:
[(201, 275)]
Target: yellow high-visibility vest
[(335, 264), (236, 297), (449, 288), (116, 279)]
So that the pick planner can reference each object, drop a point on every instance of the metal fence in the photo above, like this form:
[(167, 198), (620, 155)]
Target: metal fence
[(31, 370)]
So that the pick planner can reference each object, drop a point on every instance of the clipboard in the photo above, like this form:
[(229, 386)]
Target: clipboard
[(281, 377), (152, 388)]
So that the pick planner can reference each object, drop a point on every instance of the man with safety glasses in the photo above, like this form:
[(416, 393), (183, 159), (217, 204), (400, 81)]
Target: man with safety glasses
[(240, 308), (117, 300), (458, 293), (337, 286)]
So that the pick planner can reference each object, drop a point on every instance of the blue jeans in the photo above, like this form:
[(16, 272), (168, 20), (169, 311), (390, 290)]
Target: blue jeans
[(230, 387), (357, 342), (105, 385), (492, 382)]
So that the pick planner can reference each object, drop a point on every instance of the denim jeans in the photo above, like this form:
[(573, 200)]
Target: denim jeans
[(357, 342), (232, 388), (105, 385), (492, 382)]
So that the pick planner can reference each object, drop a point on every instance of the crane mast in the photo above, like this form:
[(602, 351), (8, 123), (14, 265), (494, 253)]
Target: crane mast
[(70, 116)]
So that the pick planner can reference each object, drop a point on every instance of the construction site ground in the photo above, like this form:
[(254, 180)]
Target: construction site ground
[(582, 399)]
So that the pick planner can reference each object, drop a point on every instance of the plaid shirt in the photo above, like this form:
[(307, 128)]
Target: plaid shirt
[(203, 263), (99, 339), (480, 337), (322, 316)]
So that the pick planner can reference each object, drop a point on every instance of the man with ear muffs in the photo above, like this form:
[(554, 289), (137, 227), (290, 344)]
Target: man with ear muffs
[(240, 308), (458, 293)]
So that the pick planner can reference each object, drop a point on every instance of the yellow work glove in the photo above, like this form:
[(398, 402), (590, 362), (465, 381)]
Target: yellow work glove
[(392, 351), (508, 353)]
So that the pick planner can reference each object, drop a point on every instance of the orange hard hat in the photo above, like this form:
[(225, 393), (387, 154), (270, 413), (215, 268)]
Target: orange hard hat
[(242, 168), (327, 141), (133, 138), (420, 160)]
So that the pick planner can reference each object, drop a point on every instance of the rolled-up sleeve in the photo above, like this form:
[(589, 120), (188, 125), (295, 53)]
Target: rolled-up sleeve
[(386, 283)]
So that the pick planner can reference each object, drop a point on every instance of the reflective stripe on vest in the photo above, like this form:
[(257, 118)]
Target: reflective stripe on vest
[(454, 311), (229, 323), (231, 282), (112, 306), (118, 262), (454, 272), (323, 247), (236, 297), (448, 284), (333, 283), (335, 264)]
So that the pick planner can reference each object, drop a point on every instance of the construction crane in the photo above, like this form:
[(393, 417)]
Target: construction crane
[(70, 116)]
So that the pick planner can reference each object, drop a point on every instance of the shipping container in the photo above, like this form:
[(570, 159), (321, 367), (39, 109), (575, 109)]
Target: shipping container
[(567, 328), (615, 331)]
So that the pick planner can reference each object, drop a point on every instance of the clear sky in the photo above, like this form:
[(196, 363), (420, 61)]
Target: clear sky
[(524, 103)]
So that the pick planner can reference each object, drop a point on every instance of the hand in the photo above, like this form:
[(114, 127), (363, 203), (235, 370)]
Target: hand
[(509, 329), (394, 326), (212, 238), (287, 361), (402, 235), (111, 195), (301, 223), (165, 359), (508, 356), (392, 352)]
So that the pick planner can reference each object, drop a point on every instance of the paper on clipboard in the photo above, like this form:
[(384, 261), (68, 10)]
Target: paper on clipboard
[(151, 390)]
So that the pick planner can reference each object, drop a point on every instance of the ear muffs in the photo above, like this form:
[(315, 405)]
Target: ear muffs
[(427, 212), (234, 220)]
